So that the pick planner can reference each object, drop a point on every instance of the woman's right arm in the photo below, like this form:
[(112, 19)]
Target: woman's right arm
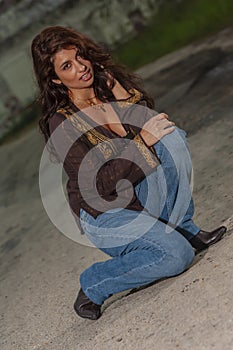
[(156, 128), (133, 162)]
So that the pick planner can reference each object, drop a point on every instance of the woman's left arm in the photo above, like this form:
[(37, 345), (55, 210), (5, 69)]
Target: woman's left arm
[(119, 91)]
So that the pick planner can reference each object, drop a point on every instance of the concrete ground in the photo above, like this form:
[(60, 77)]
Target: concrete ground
[(40, 267)]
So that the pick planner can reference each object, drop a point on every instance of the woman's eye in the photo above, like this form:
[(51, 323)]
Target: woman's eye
[(67, 66)]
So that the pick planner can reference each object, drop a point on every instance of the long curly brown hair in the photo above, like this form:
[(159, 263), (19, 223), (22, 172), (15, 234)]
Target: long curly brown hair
[(53, 96)]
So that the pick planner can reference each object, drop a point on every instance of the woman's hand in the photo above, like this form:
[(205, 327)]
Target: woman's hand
[(156, 128)]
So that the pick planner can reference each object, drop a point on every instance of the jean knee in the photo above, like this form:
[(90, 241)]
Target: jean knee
[(181, 132), (183, 257), (172, 146)]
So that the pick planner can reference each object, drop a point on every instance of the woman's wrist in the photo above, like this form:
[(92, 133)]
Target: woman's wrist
[(143, 136)]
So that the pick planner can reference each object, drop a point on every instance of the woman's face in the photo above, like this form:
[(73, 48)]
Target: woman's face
[(72, 70)]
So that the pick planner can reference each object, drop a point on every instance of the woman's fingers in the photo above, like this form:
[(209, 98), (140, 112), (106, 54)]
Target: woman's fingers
[(160, 124), (168, 130), (156, 128), (161, 116), (166, 122), (170, 123), (164, 115)]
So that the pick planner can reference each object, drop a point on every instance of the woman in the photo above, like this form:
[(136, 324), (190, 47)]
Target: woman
[(128, 220)]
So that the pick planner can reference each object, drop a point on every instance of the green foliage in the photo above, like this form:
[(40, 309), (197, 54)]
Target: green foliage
[(176, 25)]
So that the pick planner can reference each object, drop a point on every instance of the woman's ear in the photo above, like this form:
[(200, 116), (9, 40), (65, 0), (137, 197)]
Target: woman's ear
[(57, 81)]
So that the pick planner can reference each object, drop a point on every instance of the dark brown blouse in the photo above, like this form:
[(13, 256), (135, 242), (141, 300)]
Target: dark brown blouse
[(93, 183)]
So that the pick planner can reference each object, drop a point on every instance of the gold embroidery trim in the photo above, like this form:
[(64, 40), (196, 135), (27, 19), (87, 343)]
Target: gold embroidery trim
[(137, 95), (95, 137), (145, 151)]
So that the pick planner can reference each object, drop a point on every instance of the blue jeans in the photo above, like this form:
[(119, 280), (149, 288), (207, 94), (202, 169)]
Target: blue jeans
[(166, 193), (145, 246)]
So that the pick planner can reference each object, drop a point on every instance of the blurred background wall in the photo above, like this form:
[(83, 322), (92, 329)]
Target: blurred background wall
[(106, 21), (137, 31)]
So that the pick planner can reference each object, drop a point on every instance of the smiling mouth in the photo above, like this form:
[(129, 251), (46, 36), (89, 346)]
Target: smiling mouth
[(87, 76)]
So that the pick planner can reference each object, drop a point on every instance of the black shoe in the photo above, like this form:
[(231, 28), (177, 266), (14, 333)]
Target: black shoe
[(85, 308), (204, 239)]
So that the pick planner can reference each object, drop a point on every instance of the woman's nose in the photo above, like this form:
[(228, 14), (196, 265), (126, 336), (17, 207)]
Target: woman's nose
[(80, 65)]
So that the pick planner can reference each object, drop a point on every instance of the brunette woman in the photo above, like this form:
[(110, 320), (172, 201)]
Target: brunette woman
[(74, 75)]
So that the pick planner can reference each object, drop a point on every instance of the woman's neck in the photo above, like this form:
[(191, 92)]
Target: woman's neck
[(82, 94)]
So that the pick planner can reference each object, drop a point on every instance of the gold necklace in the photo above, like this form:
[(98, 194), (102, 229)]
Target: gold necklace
[(92, 104), (86, 99), (97, 105)]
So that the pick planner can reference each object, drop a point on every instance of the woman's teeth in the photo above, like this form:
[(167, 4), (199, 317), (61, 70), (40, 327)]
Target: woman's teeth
[(86, 76)]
